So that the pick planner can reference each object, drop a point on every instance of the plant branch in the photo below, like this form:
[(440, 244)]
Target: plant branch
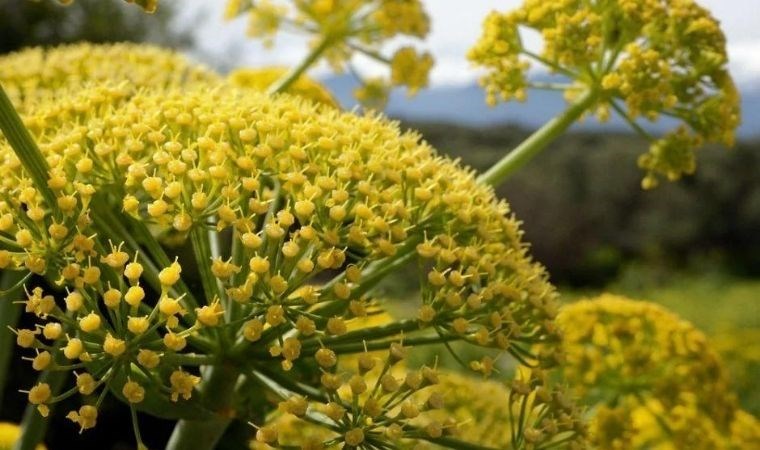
[(289, 78), (636, 127), (537, 141)]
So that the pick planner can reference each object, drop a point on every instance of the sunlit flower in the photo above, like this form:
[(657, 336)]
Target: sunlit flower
[(319, 207)]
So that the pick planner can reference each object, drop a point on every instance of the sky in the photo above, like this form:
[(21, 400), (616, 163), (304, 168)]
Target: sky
[(455, 27)]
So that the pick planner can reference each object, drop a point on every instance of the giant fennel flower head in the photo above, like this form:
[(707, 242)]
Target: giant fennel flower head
[(292, 214), (642, 59), (40, 74), (342, 29), (651, 378)]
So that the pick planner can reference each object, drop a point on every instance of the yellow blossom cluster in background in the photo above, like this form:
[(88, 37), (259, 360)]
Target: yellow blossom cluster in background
[(319, 205), (639, 59), (9, 434), (261, 79), (37, 75), (650, 379), (341, 29)]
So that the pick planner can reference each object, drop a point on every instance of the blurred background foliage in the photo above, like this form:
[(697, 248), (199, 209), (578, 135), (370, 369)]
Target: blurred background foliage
[(25, 23), (692, 246)]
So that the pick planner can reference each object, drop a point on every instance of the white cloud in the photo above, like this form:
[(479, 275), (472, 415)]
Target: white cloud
[(744, 60)]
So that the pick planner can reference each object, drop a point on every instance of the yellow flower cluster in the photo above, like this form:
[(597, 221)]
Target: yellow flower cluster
[(294, 213), (261, 79), (529, 413), (374, 402), (38, 74), (344, 28), (653, 379), (640, 58), (411, 69), (413, 409)]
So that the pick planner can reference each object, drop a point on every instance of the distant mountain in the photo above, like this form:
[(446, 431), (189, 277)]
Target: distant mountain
[(465, 105)]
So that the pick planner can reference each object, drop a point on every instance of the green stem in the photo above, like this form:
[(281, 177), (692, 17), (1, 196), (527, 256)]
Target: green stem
[(34, 426), (370, 53), (9, 315), (360, 347), (190, 359), (202, 249), (25, 148), (284, 83), (632, 122), (537, 141), (364, 334), (217, 389)]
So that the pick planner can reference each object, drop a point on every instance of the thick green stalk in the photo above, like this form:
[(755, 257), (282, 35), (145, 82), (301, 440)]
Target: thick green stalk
[(217, 389), (284, 83), (9, 315), (25, 148), (537, 141)]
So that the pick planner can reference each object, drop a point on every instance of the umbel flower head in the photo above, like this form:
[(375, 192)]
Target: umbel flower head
[(342, 29), (38, 74), (399, 405), (260, 79), (292, 214), (650, 377), (640, 59)]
